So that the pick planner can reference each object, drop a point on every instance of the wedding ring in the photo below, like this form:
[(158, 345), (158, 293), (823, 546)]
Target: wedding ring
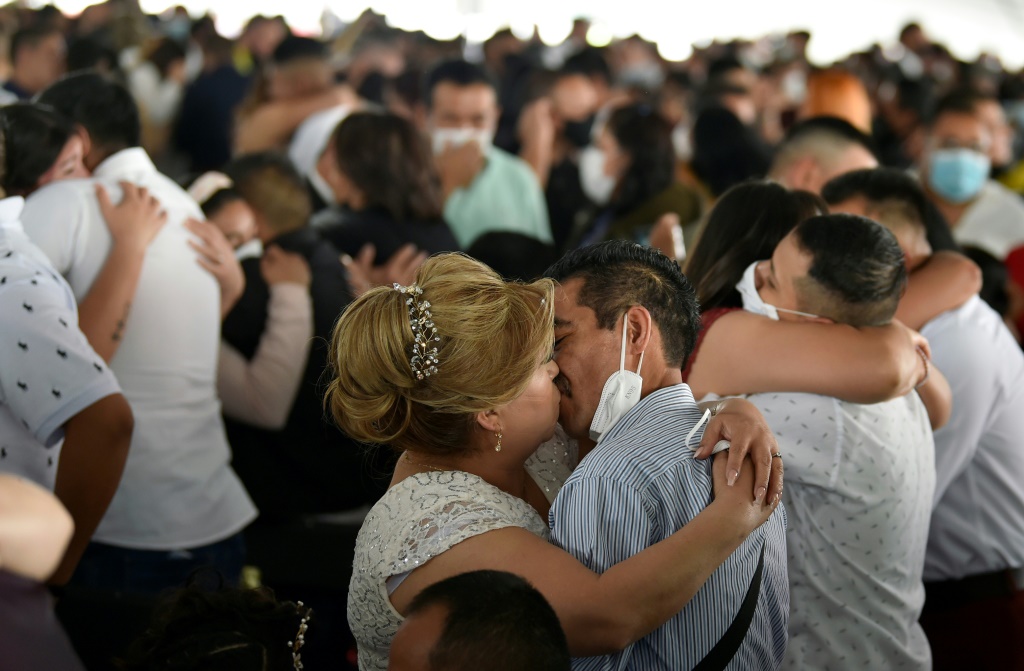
[(776, 454)]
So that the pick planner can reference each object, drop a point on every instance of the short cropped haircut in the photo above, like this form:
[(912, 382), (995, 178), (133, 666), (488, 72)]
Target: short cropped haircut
[(889, 189), (959, 101), (495, 621), (102, 106), (618, 274), (857, 273), (820, 137), (458, 72), (35, 136)]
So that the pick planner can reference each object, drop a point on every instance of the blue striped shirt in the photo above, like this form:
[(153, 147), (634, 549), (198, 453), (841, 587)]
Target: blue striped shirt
[(640, 485)]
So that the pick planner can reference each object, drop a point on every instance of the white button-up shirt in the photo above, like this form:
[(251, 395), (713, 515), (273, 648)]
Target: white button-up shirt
[(994, 222), (178, 489), (48, 371), (859, 486), (978, 521)]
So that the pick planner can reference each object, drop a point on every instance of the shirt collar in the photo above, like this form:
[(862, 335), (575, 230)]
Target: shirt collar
[(10, 212), (134, 159), (658, 401)]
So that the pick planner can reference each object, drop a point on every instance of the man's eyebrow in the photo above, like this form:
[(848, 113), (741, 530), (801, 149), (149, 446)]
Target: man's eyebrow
[(562, 322)]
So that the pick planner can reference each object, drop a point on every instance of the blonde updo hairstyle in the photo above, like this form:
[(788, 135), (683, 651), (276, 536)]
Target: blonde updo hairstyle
[(493, 335)]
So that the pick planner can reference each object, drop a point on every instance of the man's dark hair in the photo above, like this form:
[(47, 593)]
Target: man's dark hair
[(31, 37), (725, 151), (496, 621), (745, 226), (882, 186), (857, 273), (590, 62), (87, 53), (35, 136), (959, 101), (458, 72), (103, 107), (293, 48), (618, 274), (721, 66)]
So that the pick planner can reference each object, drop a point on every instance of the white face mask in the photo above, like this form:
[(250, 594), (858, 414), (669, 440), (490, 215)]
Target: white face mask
[(752, 299), (596, 184), (681, 142), (443, 138), (620, 394)]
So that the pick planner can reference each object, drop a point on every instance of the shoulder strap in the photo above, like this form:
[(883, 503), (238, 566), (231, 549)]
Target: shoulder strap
[(723, 652)]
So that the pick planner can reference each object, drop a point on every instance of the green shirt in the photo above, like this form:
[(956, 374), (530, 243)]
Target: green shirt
[(505, 196)]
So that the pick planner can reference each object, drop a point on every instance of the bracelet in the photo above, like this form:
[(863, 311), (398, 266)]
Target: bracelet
[(927, 370)]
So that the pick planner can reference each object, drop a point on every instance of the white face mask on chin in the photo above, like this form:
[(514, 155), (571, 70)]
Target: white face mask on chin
[(442, 138), (597, 186), (752, 301), (620, 394)]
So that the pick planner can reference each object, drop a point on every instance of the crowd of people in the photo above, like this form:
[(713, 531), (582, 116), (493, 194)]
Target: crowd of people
[(446, 362)]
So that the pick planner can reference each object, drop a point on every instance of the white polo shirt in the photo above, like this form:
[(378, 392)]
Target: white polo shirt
[(178, 490), (977, 523), (859, 486), (48, 371), (994, 222)]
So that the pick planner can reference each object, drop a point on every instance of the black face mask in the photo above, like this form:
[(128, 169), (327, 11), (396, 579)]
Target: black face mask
[(578, 132)]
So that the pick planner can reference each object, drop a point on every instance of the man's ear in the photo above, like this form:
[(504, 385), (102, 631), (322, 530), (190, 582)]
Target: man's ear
[(805, 174), (88, 159), (640, 327)]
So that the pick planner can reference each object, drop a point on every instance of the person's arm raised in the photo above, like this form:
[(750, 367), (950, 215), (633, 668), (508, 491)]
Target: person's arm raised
[(936, 394), (133, 224), (945, 282), (744, 353), (273, 123), (603, 613)]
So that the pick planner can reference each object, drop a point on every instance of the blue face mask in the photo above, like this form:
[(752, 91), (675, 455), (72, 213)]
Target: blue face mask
[(957, 175)]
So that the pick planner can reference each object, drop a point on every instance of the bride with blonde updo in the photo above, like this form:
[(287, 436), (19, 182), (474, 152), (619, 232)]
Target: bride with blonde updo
[(455, 372)]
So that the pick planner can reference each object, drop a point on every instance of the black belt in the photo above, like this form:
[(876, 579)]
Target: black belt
[(957, 593)]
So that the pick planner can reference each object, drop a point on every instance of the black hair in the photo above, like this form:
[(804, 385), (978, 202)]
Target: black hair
[(959, 101), (879, 185), (31, 37), (293, 48), (103, 107), (195, 629), (389, 160), (725, 151), (166, 53), (590, 62), (646, 137), (513, 255), (829, 126), (458, 72), (618, 274), (916, 95), (745, 226), (86, 53), (857, 273), (718, 67), (495, 620), (34, 136)]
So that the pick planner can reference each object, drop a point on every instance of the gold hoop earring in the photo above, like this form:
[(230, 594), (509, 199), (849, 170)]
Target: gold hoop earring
[(497, 448)]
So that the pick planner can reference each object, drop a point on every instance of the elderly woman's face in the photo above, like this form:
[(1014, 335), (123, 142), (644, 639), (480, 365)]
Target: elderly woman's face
[(69, 164)]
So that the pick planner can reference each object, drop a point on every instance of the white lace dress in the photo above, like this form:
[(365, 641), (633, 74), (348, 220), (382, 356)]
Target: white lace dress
[(423, 516)]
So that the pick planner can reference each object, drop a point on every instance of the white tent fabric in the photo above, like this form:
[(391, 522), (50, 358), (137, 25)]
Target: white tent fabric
[(967, 27)]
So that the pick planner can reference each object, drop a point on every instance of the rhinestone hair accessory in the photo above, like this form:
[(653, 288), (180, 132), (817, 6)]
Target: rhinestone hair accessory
[(424, 358), (300, 637)]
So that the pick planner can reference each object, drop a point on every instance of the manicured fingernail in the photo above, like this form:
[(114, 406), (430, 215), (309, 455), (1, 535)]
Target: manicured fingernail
[(761, 492), (731, 477), (775, 500)]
